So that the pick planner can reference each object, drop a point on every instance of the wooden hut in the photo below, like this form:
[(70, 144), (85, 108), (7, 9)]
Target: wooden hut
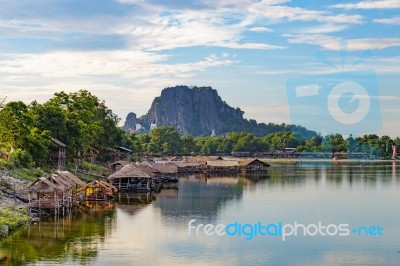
[(254, 165), (54, 192), (58, 153), (131, 178), (116, 166), (222, 166), (149, 169), (168, 172), (125, 153), (98, 191), (203, 159)]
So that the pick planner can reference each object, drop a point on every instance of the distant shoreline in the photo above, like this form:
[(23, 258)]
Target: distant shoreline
[(295, 160)]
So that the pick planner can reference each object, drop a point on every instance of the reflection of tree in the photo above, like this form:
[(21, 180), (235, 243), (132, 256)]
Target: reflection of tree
[(72, 238)]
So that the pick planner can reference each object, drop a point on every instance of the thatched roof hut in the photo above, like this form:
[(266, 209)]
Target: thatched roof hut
[(166, 169), (252, 165), (128, 171), (43, 185), (116, 166), (98, 190), (148, 169), (130, 174), (222, 163), (73, 178), (222, 166), (203, 159)]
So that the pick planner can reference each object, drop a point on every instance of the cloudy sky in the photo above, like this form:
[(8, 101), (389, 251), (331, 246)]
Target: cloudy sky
[(127, 51)]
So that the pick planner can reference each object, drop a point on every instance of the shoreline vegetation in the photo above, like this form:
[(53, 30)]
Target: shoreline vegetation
[(85, 131)]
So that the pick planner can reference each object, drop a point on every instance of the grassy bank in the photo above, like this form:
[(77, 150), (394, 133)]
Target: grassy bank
[(12, 219)]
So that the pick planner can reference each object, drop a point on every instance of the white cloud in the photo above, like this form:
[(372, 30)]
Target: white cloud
[(327, 28), (124, 64), (260, 29), (263, 10), (372, 4), (333, 43), (394, 20)]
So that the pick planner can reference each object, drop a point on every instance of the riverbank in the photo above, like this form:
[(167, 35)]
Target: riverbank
[(13, 212)]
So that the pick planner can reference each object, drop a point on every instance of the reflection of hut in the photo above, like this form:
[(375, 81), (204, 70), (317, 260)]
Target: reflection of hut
[(58, 153), (254, 165), (132, 178), (54, 192), (98, 191), (116, 166), (222, 166), (4, 155)]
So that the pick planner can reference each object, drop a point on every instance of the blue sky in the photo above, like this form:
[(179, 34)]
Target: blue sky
[(127, 51)]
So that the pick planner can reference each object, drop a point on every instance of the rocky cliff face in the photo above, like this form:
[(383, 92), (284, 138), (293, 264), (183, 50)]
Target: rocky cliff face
[(199, 110), (196, 111), (130, 122)]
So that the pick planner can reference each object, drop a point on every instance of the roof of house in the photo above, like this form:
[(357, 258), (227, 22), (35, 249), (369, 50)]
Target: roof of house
[(59, 180), (100, 184), (123, 163), (148, 169), (168, 168), (129, 170), (202, 159), (250, 161), (123, 149), (42, 184), (72, 177), (222, 163), (59, 143)]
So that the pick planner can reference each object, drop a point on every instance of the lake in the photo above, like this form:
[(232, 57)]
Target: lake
[(325, 200)]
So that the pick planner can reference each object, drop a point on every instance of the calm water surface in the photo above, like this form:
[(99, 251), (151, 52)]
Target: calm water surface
[(153, 229)]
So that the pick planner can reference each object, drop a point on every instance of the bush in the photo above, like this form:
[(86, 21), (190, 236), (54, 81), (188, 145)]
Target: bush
[(21, 158), (13, 218)]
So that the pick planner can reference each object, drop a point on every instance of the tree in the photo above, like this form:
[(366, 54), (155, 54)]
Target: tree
[(165, 140), (188, 145)]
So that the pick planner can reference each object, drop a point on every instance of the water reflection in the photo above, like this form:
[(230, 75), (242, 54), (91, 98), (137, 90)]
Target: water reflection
[(201, 196), (74, 238), (151, 228)]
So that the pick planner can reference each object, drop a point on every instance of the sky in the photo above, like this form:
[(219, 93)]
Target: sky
[(255, 53)]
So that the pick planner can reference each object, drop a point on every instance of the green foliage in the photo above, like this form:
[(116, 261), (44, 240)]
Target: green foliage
[(13, 218), (21, 158), (29, 174), (94, 168), (165, 140)]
